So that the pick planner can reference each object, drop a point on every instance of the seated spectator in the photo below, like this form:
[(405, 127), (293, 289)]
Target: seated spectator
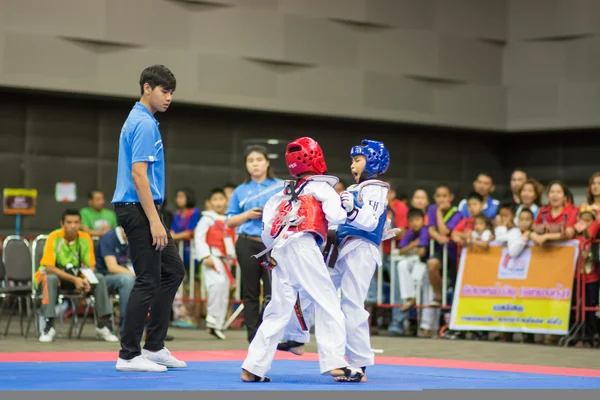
[(114, 262), (484, 185), (530, 197), (66, 253), (587, 229), (556, 221), (443, 219), (420, 201), (184, 223), (414, 245), (215, 249), (97, 220), (482, 232), (593, 192), (517, 179)]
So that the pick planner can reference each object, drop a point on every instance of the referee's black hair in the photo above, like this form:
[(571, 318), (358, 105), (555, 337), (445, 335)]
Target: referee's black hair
[(158, 75)]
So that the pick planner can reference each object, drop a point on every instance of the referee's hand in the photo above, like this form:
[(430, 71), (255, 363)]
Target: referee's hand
[(159, 235)]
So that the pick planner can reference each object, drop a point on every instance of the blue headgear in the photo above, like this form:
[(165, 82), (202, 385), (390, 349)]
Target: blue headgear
[(378, 158)]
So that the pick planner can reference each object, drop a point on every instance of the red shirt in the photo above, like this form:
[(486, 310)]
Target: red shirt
[(586, 246), (566, 219), (400, 220), (464, 224)]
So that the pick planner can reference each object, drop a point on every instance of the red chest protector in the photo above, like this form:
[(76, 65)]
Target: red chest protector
[(215, 237), (312, 211)]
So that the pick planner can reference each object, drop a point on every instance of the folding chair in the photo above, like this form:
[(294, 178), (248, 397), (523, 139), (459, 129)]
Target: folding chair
[(74, 297), (16, 258)]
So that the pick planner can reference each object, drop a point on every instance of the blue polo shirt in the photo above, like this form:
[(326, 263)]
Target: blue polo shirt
[(111, 244), (248, 196), (140, 141), (490, 208)]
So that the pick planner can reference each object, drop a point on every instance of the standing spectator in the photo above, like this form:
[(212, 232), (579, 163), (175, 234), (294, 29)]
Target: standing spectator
[(397, 212), (484, 185), (506, 222), (556, 221), (113, 260), (461, 235), (66, 252), (244, 213), (530, 196), (593, 192), (517, 179), (228, 189), (184, 223), (97, 220), (420, 201)]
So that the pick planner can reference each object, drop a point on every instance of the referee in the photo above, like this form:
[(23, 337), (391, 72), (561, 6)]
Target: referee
[(139, 194)]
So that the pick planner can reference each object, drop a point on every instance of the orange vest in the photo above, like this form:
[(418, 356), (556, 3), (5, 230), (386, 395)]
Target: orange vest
[(215, 237)]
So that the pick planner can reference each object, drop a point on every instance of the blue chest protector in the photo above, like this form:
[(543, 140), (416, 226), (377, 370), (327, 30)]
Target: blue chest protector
[(346, 230)]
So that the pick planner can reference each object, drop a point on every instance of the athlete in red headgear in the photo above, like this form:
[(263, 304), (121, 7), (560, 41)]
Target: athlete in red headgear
[(295, 223)]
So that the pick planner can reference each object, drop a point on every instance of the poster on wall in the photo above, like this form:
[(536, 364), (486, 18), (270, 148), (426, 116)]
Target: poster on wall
[(65, 192), (19, 201)]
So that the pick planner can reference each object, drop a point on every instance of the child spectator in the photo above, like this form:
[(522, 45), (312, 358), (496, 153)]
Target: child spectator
[(506, 221), (586, 230), (530, 196), (443, 219), (556, 221), (482, 232), (462, 233), (414, 246), (215, 249), (484, 185)]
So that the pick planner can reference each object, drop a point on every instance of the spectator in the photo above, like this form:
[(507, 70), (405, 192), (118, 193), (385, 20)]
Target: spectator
[(593, 192), (443, 219), (482, 232), (414, 246), (66, 253), (587, 228), (228, 188), (96, 219), (556, 221), (462, 233), (403, 197), (484, 185), (113, 260), (340, 187), (215, 250), (244, 212), (397, 213), (506, 222), (420, 201), (517, 179), (182, 229), (530, 196)]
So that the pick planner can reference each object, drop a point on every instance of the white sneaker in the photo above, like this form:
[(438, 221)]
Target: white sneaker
[(139, 364), (48, 337), (106, 335), (163, 357), (217, 333)]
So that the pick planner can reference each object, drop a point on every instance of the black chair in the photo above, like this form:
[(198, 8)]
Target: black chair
[(16, 257)]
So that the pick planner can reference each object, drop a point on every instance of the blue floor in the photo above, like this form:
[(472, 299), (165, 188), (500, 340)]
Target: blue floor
[(287, 375)]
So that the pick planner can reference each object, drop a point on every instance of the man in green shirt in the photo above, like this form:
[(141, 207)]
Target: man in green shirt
[(97, 220)]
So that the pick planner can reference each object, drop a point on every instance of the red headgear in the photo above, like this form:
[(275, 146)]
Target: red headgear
[(305, 155)]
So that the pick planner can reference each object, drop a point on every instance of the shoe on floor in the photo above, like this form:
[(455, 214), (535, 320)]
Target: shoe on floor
[(139, 364), (48, 336), (163, 357), (217, 333), (106, 335)]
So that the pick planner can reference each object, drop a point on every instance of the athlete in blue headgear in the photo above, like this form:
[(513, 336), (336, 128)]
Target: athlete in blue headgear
[(358, 242)]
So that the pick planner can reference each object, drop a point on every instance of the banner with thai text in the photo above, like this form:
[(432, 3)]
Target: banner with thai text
[(529, 293)]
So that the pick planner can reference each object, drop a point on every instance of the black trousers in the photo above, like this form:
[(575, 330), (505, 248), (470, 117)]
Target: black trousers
[(158, 276), (252, 273)]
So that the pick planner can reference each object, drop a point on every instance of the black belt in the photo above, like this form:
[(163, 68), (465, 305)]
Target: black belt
[(157, 204)]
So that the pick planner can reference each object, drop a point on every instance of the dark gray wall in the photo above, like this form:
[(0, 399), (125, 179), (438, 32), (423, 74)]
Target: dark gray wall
[(48, 138)]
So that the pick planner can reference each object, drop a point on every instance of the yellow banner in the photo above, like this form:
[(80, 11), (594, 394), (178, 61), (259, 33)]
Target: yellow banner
[(20, 201), (530, 293)]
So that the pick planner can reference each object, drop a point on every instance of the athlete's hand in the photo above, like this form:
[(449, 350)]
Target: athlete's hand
[(347, 201), (159, 235)]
